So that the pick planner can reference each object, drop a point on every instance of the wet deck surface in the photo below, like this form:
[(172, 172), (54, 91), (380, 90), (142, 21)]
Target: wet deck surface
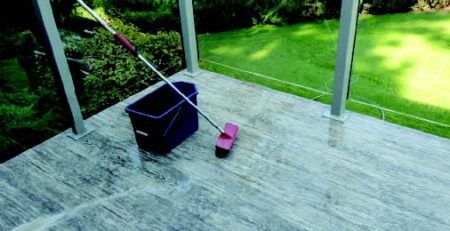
[(291, 169)]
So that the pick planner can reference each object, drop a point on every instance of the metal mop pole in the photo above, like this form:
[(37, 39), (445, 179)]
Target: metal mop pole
[(180, 93)]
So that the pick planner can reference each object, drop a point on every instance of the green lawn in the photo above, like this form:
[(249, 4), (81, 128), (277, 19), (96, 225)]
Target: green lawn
[(21, 126), (402, 63), (12, 75), (13, 86)]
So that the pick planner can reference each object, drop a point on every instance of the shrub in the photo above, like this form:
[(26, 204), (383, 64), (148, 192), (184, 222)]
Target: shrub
[(8, 38), (22, 124), (149, 15), (221, 14), (388, 6), (114, 73), (332, 8), (278, 12), (30, 115), (218, 15), (437, 4)]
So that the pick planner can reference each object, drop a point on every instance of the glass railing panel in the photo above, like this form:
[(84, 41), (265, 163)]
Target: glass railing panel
[(401, 69), (30, 107), (103, 72), (288, 48), (109, 73)]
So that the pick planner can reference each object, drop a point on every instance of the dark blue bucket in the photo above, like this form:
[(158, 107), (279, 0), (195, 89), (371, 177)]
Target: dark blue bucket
[(163, 119)]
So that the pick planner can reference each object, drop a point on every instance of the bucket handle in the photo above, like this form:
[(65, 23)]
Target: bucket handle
[(173, 121)]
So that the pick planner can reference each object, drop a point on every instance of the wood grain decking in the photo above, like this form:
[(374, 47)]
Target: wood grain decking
[(291, 169)]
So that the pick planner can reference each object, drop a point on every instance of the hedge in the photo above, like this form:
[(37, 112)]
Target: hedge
[(218, 15)]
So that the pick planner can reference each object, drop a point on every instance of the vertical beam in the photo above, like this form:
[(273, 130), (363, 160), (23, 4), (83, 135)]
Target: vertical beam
[(344, 60), (189, 37), (60, 68)]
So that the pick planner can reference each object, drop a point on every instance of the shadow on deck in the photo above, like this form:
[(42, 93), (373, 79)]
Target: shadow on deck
[(291, 169)]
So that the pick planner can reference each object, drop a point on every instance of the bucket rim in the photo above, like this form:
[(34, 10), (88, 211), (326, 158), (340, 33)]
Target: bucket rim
[(129, 110)]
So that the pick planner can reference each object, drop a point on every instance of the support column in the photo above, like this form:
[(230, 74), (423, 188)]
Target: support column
[(344, 60), (59, 65), (189, 37)]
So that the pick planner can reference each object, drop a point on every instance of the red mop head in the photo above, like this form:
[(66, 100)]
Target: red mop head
[(226, 140)]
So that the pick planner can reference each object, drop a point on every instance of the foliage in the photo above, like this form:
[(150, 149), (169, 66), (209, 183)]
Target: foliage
[(8, 39), (114, 73), (219, 15), (332, 8), (437, 4), (216, 15), (62, 9), (22, 124), (150, 15), (40, 78), (388, 6), (32, 112), (278, 12)]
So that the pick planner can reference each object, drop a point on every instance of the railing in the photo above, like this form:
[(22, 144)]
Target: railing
[(60, 67), (63, 77)]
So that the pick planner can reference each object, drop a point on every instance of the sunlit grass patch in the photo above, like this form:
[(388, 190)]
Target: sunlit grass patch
[(402, 61)]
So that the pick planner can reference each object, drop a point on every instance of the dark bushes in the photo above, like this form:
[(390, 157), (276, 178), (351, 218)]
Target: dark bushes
[(33, 112), (149, 15), (114, 73), (388, 6), (435, 4), (217, 15)]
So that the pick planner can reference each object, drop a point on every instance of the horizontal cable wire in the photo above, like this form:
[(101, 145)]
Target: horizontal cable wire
[(327, 93)]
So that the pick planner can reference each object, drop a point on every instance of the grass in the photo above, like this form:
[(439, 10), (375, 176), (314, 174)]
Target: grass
[(13, 84), (12, 75), (401, 63), (81, 12), (21, 126)]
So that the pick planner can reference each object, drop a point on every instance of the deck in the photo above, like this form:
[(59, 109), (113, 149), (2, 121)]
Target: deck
[(291, 169)]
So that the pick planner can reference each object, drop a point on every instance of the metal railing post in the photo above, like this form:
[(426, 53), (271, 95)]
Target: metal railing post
[(344, 60), (189, 37), (60, 68)]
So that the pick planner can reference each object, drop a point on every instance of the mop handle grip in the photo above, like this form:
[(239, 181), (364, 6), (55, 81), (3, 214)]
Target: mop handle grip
[(127, 44)]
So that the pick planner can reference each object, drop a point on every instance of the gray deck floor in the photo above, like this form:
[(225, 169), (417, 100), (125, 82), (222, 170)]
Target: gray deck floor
[(291, 169)]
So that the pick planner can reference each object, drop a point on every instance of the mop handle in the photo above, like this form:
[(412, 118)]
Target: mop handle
[(127, 44), (100, 20), (133, 49), (180, 93)]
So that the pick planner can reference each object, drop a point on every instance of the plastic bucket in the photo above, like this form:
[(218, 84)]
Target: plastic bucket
[(163, 119)]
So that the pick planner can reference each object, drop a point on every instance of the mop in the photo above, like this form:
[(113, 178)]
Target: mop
[(228, 133)]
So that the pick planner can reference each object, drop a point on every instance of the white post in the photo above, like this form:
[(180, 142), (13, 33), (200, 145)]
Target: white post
[(344, 61), (60, 67), (189, 37)]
